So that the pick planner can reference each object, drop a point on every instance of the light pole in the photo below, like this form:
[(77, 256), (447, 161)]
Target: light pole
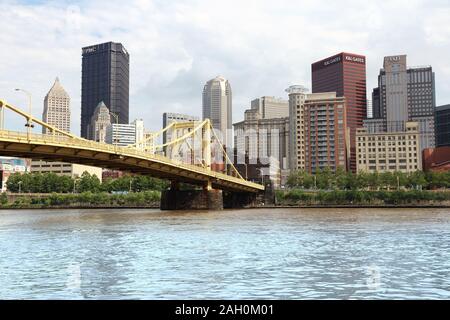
[(262, 175), (20, 186), (114, 139), (131, 181), (246, 162), (74, 184), (29, 123), (116, 116)]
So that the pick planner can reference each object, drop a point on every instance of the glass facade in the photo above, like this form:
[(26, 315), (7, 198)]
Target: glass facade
[(443, 126), (105, 77), (418, 99)]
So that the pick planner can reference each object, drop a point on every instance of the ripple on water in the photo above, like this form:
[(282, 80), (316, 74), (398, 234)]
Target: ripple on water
[(237, 254)]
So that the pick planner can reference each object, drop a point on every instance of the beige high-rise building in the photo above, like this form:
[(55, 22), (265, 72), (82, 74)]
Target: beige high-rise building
[(297, 97), (263, 143), (389, 151), (271, 107), (327, 137), (217, 106), (57, 113), (318, 136), (57, 108)]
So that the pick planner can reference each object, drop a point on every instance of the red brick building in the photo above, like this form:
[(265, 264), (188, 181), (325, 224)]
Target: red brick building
[(436, 159), (111, 174), (345, 74), (326, 137)]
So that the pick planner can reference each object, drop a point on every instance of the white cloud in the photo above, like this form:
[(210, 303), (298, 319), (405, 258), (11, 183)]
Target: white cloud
[(262, 47)]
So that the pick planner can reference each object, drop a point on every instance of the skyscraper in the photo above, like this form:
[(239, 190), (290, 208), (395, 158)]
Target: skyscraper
[(261, 141), (217, 106), (271, 107), (105, 77), (318, 134), (57, 108), (57, 113), (326, 136), (443, 126), (297, 97), (345, 74), (404, 94)]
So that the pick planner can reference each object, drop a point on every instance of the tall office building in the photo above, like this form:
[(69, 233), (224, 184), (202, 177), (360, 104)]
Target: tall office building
[(105, 77), (443, 126), (404, 94), (326, 134), (125, 134), (57, 108), (262, 145), (345, 74), (318, 132), (169, 117), (57, 113), (271, 107), (217, 106), (297, 97), (376, 106)]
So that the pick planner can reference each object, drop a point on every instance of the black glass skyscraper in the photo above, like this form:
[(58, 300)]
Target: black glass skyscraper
[(105, 77)]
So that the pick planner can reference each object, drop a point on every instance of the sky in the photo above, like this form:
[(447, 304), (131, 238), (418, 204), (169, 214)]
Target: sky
[(261, 47)]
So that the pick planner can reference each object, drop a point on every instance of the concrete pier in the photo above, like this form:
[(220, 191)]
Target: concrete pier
[(192, 200)]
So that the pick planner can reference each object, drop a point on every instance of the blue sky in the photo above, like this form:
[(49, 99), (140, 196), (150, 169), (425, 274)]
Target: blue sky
[(262, 47)]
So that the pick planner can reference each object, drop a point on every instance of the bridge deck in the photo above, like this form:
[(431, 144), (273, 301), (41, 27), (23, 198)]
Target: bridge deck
[(76, 150)]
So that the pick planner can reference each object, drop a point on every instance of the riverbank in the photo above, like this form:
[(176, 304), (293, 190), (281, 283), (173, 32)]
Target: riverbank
[(362, 199), (283, 199), (86, 200)]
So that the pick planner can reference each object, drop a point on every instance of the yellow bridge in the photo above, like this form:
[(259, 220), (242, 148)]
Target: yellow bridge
[(140, 158)]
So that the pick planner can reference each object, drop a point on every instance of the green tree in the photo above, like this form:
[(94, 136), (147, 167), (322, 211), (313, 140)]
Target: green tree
[(3, 199), (88, 183), (417, 180)]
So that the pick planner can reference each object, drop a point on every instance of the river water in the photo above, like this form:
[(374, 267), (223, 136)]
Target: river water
[(230, 254)]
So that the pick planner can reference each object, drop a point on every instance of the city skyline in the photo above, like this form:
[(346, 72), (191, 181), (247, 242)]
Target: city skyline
[(169, 65)]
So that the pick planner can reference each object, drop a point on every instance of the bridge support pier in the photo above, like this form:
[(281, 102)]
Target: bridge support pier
[(206, 199), (237, 200)]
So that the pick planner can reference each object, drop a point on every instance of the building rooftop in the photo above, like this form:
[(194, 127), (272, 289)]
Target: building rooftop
[(443, 107)]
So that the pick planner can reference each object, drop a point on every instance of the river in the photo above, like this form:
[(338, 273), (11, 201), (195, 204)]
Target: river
[(230, 254)]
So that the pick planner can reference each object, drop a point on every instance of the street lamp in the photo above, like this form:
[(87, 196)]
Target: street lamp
[(131, 181), (20, 186), (246, 159), (29, 123), (262, 175), (114, 139), (74, 184), (116, 116)]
